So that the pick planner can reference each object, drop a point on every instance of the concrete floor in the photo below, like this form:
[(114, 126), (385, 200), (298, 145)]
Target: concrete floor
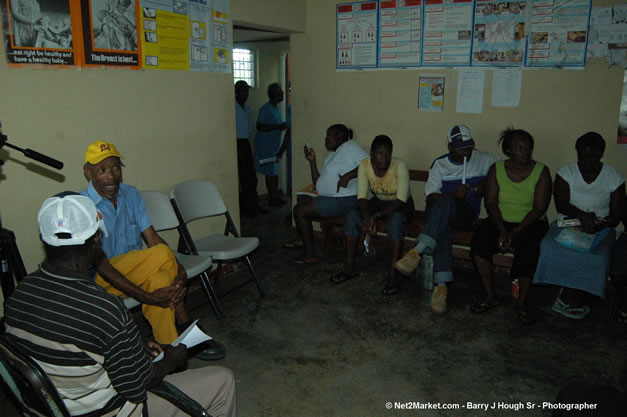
[(313, 348)]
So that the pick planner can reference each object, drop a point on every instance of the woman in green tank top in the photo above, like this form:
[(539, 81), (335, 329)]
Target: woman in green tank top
[(518, 193)]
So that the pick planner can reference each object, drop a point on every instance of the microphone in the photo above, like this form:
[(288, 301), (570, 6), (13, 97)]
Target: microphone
[(44, 159)]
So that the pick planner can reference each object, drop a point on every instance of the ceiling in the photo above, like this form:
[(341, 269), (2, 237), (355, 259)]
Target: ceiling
[(248, 34)]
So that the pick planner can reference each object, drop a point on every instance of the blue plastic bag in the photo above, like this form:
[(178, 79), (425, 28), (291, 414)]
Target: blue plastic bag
[(576, 239)]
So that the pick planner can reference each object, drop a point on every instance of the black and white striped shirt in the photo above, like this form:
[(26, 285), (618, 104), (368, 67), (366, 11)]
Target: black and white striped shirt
[(84, 339)]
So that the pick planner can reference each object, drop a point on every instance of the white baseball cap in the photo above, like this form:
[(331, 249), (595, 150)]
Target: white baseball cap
[(459, 137), (73, 214)]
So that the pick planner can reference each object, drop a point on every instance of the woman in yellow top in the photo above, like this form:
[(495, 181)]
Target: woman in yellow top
[(517, 195), (388, 180)]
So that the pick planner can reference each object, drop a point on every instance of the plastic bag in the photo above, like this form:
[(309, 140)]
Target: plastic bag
[(576, 239)]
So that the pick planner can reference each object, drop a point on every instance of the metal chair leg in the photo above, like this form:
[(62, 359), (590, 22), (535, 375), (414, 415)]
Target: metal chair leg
[(211, 294), (249, 265)]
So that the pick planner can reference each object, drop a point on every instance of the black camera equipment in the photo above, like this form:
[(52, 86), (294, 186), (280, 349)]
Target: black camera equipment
[(10, 258)]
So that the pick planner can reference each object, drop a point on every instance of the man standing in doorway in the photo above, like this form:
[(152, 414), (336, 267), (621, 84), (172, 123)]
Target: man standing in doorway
[(245, 166)]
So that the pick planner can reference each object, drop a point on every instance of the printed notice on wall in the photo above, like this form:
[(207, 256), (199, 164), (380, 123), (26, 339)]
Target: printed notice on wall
[(470, 91), (447, 32), (559, 29), (499, 36), (356, 35), (506, 88), (431, 93), (400, 33), (40, 32)]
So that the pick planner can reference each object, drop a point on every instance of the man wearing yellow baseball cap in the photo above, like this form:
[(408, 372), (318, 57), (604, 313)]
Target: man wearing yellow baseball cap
[(153, 276)]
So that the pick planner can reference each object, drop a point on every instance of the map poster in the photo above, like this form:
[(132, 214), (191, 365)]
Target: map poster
[(400, 33), (356, 35), (499, 33), (41, 32), (559, 30), (110, 33), (598, 32), (447, 36)]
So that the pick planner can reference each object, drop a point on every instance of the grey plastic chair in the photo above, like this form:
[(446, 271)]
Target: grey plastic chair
[(163, 217), (194, 200)]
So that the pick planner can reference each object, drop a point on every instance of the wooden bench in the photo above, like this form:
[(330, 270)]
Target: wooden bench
[(333, 227)]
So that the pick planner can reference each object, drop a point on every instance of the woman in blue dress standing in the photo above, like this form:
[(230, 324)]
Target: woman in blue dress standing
[(270, 124)]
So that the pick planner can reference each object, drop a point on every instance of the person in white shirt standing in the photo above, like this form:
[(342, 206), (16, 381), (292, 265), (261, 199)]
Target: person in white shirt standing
[(335, 184)]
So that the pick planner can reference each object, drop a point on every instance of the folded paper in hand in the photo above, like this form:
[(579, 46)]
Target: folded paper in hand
[(309, 190), (268, 160), (191, 337)]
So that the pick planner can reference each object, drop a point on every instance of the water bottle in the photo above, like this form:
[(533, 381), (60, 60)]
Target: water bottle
[(425, 272), (515, 289), (368, 250)]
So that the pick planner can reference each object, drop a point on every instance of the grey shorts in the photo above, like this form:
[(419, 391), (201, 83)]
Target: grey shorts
[(335, 206)]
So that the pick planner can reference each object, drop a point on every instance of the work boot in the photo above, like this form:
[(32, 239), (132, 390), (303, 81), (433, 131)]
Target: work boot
[(408, 263), (438, 299)]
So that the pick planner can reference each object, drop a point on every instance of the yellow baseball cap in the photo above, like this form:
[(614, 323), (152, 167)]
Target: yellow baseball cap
[(99, 150)]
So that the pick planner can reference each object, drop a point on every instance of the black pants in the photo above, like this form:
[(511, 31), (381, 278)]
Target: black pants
[(247, 177)]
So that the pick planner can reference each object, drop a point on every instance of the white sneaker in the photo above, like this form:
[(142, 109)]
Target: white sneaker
[(438, 299)]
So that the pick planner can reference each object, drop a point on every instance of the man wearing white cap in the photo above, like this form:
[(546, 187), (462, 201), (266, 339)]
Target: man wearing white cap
[(85, 339), (453, 192), (153, 276)]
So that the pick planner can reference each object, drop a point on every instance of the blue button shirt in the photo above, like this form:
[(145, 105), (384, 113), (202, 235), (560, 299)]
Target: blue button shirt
[(124, 225), (243, 121)]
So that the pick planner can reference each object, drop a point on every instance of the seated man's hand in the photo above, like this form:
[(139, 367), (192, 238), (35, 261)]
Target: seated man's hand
[(152, 348), (176, 355), (168, 297), (342, 182), (590, 223), (461, 190)]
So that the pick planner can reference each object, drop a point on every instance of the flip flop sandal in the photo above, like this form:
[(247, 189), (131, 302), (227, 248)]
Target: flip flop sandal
[(304, 261), (293, 245), (341, 277), (390, 290), (484, 305), (525, 317)]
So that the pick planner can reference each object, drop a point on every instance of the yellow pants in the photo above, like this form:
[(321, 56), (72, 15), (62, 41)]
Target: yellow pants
[(149, 269)]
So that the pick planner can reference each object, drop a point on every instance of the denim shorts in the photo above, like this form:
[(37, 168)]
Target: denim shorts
[(335, 206)]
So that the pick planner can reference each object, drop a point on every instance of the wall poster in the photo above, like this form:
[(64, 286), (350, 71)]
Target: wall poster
[(356, 35), (400, 29), (41, 32)]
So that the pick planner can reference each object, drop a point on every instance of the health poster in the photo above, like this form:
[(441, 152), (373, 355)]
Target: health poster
[(431, 93), (559, 29), (41, 32), (447, 35), (356, 35), (165, 34), (110, 33), (499, 33), (220, 40), (400, 27), (199, 37)]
